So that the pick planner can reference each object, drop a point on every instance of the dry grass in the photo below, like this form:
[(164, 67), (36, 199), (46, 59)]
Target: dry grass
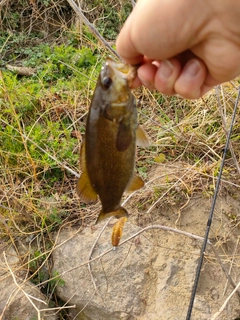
[(38, 174)]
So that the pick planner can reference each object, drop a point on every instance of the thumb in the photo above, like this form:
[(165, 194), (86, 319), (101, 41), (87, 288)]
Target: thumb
[(160, 30)]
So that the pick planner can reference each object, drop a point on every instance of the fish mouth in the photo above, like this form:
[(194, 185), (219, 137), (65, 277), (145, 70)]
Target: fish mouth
[(121, 76), (124, 70)]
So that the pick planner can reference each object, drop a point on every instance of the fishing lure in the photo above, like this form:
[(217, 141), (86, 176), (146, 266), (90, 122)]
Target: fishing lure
[(117, 231)]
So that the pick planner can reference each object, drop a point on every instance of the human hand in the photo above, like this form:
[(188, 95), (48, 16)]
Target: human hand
[(184, 47)]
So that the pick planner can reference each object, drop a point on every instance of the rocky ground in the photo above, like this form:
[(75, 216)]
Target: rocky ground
[(149, 277)]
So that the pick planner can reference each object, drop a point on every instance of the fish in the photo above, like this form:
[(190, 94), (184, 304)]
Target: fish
[(107, 155), (117, 231)]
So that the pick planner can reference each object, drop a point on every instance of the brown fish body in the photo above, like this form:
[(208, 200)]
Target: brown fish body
[(108, 154), (109, 168)]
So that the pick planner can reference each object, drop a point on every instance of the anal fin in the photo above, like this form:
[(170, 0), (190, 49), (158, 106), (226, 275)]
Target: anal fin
[(135, 183), (85, 190)]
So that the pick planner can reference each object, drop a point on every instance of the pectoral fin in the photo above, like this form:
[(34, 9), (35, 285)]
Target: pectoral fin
[(135, 183), (121, 212), (142, 139), (124, 136)]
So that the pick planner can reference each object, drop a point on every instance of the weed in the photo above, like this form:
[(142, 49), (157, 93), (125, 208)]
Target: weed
[(57, 280), (42, 118)]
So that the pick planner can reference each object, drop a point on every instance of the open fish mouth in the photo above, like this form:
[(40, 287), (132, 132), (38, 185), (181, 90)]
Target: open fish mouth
[(124, 70)]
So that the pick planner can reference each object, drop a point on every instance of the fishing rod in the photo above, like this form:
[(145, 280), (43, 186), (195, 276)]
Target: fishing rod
[(209, 222)]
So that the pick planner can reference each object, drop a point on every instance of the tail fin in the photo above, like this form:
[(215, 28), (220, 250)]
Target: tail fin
[(120, 212)]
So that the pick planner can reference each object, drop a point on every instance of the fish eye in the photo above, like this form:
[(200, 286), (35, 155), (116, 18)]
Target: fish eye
[(107, 81)]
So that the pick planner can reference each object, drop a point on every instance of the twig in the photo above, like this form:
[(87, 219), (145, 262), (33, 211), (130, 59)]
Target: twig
[(52, 157), (227, 274), (230, 269), (59, 308), (225, 303), (133, 3), (169, 229), (76, 70), (181, 208), (20, 288), (104, 227), (29, 296), (186, 172), (37, 299), (84, 307), (10, 34), (80, 14), (90, 255), (187, 234)]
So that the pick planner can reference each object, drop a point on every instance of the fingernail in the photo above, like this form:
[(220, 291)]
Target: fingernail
[(192, 69), (165, 70)]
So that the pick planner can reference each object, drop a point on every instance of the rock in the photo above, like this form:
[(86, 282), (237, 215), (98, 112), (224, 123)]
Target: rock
[(15, 299), (132, 282), (149, 278), (119, 276), (22, 71)]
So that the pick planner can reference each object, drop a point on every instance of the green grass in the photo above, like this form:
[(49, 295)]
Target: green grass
[(42, 118)]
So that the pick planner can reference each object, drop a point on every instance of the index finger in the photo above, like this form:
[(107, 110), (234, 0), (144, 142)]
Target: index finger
[(126, 48)]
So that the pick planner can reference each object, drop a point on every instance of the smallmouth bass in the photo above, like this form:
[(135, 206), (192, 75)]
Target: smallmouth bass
[(107, 155)]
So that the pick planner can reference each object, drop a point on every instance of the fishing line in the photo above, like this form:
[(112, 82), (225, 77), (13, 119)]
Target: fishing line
[(209, 222)]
